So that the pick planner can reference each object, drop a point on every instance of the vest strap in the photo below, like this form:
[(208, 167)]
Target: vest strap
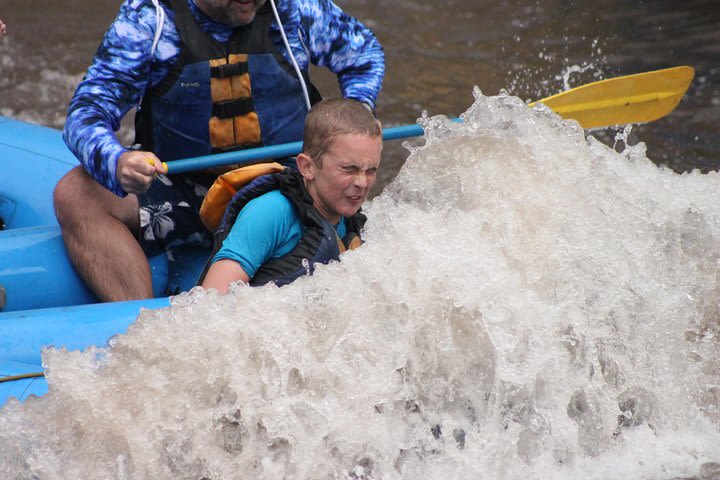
[(227, 71), (232, 108)]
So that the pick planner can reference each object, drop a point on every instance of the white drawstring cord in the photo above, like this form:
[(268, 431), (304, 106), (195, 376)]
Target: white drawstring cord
[(159, 22), (290, 53)]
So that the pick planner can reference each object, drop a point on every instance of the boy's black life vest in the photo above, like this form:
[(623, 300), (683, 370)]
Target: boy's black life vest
[(319, 242)]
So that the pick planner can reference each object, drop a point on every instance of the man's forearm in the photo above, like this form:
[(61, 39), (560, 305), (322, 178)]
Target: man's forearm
[(93, 142)]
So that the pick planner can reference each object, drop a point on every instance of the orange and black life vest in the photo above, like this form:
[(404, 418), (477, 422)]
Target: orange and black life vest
[(319, 242), (221, 97)]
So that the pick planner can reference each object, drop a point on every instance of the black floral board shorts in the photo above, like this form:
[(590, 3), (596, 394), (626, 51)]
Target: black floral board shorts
[(169, 215)]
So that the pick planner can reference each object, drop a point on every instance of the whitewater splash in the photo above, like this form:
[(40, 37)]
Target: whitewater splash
[(529, 304)]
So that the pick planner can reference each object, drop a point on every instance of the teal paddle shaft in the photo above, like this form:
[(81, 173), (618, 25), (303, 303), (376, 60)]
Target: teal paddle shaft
[(255, 155)]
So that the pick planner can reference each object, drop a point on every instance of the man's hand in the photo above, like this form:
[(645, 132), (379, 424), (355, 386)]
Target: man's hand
[(137, 169)]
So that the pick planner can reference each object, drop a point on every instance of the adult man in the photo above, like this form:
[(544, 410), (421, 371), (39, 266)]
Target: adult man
[(213, 76), (279, 226)]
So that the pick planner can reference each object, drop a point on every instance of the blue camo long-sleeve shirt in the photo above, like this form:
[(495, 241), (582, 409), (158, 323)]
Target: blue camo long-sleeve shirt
[(124, 67)]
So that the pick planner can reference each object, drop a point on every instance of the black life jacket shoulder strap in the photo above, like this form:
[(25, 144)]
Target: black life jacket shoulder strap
[(193, 41), (315, 230), (319, 242), (256, 188)]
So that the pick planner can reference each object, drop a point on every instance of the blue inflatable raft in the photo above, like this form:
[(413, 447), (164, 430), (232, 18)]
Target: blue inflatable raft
[(42, 300)]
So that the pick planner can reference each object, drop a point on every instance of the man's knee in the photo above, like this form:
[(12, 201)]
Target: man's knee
[(70, 192), (78, 196)]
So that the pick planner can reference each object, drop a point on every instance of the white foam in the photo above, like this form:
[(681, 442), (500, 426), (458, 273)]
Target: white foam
[(520, 289)]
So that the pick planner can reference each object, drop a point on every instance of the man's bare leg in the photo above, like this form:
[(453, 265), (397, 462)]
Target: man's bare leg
[(100, 234)]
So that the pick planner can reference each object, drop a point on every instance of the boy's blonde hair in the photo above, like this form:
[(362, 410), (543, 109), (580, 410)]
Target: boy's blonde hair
[(336, 116)]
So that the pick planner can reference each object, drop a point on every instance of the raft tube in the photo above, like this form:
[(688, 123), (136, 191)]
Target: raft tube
[(24, 334), (43, 302), (34, 158), (35, 271)]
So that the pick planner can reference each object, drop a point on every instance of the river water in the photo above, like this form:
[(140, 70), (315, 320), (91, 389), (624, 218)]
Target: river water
[(530, 303)]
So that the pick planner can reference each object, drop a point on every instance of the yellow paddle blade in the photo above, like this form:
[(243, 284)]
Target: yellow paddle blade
[(638, 98)]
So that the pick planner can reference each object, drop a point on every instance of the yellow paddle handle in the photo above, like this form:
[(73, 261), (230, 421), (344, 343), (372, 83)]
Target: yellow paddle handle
[(152, 162)]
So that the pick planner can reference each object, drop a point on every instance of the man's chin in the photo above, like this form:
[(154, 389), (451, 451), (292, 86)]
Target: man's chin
[(240, 20), (242, 14)]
